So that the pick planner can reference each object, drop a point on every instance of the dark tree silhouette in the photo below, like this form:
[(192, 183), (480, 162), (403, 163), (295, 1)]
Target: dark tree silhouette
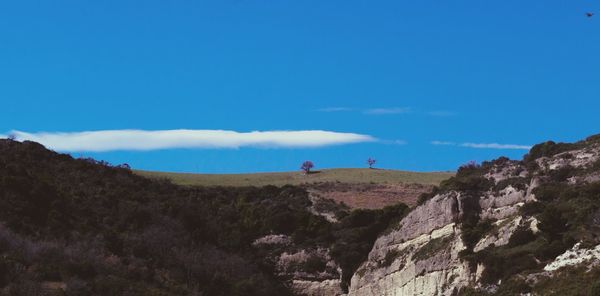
[(371, 162), (307, 166)]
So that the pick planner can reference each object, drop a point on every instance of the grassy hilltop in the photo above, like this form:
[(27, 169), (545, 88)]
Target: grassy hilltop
[(344, 175)]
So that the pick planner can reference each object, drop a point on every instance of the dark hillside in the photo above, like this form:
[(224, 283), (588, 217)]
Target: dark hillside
[(90, 228)]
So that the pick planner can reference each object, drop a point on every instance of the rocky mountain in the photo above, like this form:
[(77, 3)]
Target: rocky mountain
[(500, 228)]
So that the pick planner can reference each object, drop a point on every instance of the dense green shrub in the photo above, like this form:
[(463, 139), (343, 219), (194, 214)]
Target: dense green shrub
[(561, 174), (548, 149), (519, 183), (473, 232), (314, 264), (552, 223), (531, 208), (501, 263), (521, 236)]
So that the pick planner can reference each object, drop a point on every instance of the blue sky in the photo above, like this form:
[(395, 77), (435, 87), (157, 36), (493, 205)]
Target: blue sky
[(403, 74)]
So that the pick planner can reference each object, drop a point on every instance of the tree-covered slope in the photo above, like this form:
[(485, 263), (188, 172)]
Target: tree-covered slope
[(82, 227)]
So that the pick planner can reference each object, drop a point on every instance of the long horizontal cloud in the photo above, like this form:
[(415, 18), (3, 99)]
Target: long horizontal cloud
[(483, 145), (111, 140)]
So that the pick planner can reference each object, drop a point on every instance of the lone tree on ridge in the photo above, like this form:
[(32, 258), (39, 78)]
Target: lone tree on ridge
[(307, 166), (371, 162)]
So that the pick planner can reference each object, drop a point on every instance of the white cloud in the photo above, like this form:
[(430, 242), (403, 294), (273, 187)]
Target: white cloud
[(335, 109), (385, 111), (495, 146), (442, 143), (110, 140)]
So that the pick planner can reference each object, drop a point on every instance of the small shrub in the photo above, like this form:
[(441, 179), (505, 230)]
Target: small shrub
[(518, 183), (314, 264), (390, 257), (521, 236), (548, 192), (552, 224), (531, 208), (562, 174), (472, 233), (432, 247)]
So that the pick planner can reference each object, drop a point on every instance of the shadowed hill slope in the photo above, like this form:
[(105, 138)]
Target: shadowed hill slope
[(83, 227)]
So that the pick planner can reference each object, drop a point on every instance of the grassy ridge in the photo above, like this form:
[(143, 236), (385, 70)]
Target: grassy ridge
[(346, 175)]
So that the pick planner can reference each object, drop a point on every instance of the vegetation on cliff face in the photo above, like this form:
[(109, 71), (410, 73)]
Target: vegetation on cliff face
[(567, 210), (104, 230)]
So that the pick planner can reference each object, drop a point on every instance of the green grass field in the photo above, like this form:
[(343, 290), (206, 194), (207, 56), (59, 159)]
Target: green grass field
[(296, 178)]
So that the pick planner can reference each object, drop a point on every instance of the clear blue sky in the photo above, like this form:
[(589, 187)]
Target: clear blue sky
[(404, 72)]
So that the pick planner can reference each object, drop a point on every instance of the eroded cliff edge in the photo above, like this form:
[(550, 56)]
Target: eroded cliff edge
[(492, 227)]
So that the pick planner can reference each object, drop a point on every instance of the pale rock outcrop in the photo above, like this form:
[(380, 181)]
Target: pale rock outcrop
[(292, 264), (580, 158), (501, 205), (438, 212), (503, 230), (273, 239), (574, 256), (421, 256), (326, 282), (314, 288), (506, 170)]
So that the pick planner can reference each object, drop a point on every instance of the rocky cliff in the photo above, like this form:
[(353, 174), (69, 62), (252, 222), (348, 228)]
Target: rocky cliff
[(460, 239)]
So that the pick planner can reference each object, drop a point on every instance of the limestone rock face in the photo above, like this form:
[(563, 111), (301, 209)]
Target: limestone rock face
[(575, 256), (421, 256)]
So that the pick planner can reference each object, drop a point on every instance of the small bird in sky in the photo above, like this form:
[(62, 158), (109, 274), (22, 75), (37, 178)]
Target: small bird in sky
[(589, 14)]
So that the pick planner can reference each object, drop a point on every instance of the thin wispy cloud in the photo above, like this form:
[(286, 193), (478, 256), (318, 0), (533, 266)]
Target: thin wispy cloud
[(113, 140), (442, 143), (386, 111), (392, 142), (335, 109), (483, 145), (495, 146)]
